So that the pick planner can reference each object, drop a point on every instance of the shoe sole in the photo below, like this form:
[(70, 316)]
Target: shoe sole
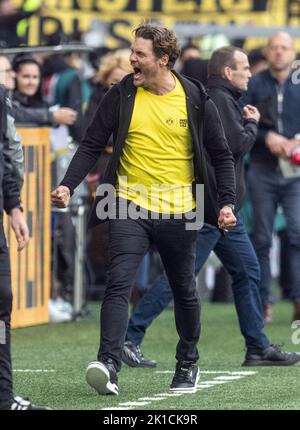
[(97, 376), (189, 390)]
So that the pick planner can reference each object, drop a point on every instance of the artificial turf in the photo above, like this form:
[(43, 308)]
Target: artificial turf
[(65, 349)]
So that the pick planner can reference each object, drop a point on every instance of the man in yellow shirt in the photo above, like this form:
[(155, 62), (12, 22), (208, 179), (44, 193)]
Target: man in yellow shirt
[(163, 126)]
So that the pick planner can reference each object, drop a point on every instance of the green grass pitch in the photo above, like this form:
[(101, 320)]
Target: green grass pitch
[(65, 350)]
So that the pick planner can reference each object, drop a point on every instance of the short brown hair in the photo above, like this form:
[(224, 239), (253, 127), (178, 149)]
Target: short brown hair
[(221, 58), (165, 41)]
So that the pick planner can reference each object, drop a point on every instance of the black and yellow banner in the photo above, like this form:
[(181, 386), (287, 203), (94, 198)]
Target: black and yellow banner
[(118, 17)]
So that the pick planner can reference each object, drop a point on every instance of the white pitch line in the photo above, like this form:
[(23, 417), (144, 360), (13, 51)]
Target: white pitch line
[(116, 408), (202, 387), (212, 382), (229, 372), (228, 376), (35, 370), (152, 399), (134, 403)]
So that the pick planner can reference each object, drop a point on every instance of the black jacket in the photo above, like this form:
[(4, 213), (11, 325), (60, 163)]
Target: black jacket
[(9, 192), (25, 112), (209, 144), (240, 133)]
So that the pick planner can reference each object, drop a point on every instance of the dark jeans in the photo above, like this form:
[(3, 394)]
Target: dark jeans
[(6, 394), (64, 242), (143, 274), (130, 240), (268, 188), (236, 253)]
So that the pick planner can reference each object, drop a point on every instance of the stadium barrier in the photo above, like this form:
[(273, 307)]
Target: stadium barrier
[(31, 268)]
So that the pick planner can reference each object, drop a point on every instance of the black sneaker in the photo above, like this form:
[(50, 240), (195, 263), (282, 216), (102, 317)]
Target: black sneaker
[(102, 377), (271, 356), (186, 377), (20, 404), (133, 356)]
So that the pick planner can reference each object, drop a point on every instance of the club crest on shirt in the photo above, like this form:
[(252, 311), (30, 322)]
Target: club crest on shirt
[(169, 121)]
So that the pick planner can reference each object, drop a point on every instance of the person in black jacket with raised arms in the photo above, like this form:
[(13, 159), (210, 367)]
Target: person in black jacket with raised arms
[(228, 78), (162, 125)]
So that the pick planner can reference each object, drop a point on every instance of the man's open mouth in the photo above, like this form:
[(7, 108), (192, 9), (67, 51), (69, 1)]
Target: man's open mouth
[(137, 72)]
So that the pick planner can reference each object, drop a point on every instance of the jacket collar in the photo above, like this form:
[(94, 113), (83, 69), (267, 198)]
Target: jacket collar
[(219, 82)]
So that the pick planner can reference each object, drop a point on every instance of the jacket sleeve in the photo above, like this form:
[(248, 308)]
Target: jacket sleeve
[(10, 191), (14, 149), (220, 154), (240, 137), (39, 116), (11, 194), (94, 140)]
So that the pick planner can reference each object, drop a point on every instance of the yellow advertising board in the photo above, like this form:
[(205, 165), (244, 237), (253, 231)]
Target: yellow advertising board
[(31, 267)]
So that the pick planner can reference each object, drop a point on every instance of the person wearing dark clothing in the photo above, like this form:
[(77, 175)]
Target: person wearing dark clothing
[(228, 78), (10, 202), (257, 61), (187, 52), (62, 86), (196, 68), (272, 179), (145, 112)]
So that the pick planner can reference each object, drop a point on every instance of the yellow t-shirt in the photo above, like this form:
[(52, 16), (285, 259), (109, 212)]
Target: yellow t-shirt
[(156, 166)]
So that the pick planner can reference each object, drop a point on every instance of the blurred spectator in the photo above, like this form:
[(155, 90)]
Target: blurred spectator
[(272, 180), (75, 61), (191, 64), (196, 68), (28, 104), (96, 56), (62, 87), (187, 52), (257, 61), (10, 16), (113, 67)]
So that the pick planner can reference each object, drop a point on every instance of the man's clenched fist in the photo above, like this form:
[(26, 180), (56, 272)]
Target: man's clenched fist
[(60, 197)]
